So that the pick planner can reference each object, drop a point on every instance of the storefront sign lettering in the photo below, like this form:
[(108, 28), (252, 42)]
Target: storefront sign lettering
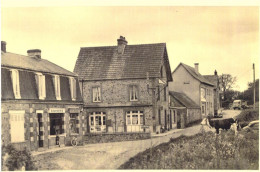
[(56, 110)]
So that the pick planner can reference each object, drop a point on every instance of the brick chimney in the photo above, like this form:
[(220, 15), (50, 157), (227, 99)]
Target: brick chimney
[(34, 53), (196, 67), (121, 43), (3, 46), (216, 73)]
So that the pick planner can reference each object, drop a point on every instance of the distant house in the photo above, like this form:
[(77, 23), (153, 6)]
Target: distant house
[(184, 111), (39, 100), (125, 87), (217, 90), (189, 81)]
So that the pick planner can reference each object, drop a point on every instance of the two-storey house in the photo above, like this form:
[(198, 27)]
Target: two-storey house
[(125, 87), (217, 91), (39, 100), (189, 81)]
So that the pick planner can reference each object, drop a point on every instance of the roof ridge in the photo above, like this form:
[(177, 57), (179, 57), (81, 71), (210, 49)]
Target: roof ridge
[(163, 43)]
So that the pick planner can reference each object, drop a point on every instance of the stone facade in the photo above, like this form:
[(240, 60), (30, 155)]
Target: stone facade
[(115, 102), (32, 127)]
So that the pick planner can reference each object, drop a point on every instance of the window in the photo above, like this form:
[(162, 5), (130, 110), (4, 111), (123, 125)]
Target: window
[(97, 122), (203, 94), (73, 88), (159, 116), (56, 123), (134, 121), (57, 87), (40, 80), (133, 93), (159, 97), (16, 84), (17, 126), (73, 123), (165, 92), (96, 94)]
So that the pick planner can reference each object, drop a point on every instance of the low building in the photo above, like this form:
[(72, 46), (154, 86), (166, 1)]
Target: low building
[(184, 111), (189, 81), (39, 100), (125, 87)]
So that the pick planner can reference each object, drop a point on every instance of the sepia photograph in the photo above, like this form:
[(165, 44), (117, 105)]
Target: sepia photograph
[(122, 86)]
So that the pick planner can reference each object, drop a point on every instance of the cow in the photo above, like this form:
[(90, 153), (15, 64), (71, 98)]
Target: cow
[(224, 124)]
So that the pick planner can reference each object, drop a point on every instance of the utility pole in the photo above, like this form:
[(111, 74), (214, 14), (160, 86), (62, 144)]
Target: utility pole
[(254, 82)]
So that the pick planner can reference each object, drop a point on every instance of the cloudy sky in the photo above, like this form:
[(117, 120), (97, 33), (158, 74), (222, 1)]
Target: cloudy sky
[(221, 38)]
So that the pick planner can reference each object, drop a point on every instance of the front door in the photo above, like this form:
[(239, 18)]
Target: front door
[(203, 109)]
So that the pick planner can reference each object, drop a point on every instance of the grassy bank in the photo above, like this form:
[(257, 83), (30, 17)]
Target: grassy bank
[(204, 150), (201, 151)]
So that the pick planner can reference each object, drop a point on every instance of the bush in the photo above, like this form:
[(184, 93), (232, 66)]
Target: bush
[(247, 116), (13, 159)]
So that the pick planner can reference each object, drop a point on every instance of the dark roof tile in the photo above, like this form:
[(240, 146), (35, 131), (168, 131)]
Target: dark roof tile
[(184, 100)]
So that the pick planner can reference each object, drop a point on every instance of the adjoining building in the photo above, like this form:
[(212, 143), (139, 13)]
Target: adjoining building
[(189, 81), (39, 100), (184, 111), (217, 90), (125, 87)]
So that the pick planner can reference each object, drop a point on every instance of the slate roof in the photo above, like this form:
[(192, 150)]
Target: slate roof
[(30, 63), (101, 63), (196, 75), (183, 100), (212, 78)]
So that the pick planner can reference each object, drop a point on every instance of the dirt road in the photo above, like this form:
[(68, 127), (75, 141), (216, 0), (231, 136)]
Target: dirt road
[(107, 155)]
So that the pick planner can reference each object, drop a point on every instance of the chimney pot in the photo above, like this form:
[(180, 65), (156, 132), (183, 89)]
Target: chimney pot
[(121, 43), (34, 53), (3, 46), (196, 67)]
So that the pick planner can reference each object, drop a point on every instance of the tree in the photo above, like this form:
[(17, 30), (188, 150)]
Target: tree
[(249, 94), (227, 82)]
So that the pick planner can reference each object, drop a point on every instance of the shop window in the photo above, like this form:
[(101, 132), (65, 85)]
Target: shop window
[(133, 93), (73, 123), (17, 126), (16, 84), (97, 122), (96, 92), (56, 123), (134, 121)]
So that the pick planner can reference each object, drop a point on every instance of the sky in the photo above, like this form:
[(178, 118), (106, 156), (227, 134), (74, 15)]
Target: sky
[(225, 39)]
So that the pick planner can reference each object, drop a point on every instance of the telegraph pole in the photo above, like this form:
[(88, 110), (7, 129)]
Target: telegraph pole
[(254, 82)]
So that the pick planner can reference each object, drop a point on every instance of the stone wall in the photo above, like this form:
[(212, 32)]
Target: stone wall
[(116, 137)]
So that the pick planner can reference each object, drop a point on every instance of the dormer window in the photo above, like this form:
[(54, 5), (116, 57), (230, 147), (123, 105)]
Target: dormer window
[(40, 80), (16, 85), (56, 79), (133, 93), (73, 88), (96, 94)]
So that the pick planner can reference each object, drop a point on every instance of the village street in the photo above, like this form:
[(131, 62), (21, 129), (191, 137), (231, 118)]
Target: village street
[(108, 155)]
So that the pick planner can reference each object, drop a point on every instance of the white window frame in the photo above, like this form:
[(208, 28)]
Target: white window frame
[(15, 117), (93, 128), (16, 83), (41, 86), (96, 94), (134, 127), (133, 92), (57, 87), (73, 88)]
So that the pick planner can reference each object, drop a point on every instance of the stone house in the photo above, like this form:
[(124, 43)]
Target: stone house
[(189, 81), (217, 90), (39, 100), (183, 110), (125, 87)]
